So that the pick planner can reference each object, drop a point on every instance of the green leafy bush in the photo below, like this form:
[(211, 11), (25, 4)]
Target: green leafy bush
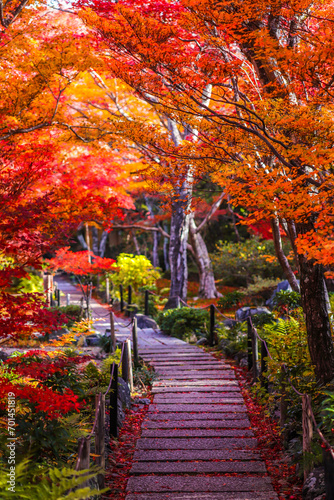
[(73, 312), (233, 340), (286, 301), (184, 322), (231, 299), (237, 263)]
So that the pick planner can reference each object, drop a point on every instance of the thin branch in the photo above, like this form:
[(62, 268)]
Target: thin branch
[(211, 212)]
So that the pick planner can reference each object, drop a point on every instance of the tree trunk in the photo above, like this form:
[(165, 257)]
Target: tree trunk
[(103, 243), (95, 240), (179, 230), (166, 241), (313, 294), (207, 287), (135, 241), (282, 257), (155, 253)]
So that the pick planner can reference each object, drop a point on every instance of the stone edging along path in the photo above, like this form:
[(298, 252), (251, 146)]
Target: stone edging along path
[(196, 440)]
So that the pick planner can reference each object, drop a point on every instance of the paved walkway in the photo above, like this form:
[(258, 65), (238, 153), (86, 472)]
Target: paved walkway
[(196, 440), (146, 337)]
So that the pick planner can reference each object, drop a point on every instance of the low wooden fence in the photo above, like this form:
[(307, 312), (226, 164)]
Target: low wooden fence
[(308, 419), (110, 398)]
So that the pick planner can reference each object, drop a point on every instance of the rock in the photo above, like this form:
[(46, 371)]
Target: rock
[(314, 485), (3, 356), (124, 393), (93, 339), (132, 310), (282, 285), (229, 323), (223, 343), (145, 321), (120, 413), (192, 338), (116, 305), (244, 312), (202, 341), (142, 401), (239, 355), (243, 363)]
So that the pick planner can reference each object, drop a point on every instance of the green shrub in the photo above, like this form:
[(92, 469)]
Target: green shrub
[(286, 301), (261, 288), (73, 312), (184, 322), (233, 340), (231, 299), (237, 263)]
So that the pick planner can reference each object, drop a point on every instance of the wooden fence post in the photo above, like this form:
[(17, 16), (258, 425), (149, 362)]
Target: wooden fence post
[(135, 342), (307, 432), (99, 436), (146, 303), (112, 332), (127, 365), (121, 297), (264, 354), (58, 297), (249, 344), (329, 473), (68, 299), (84, 456), (113, 410), (212, 325), (107, 291), (129, 295)]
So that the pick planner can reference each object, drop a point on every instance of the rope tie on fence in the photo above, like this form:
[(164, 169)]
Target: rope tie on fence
[(322, 437)]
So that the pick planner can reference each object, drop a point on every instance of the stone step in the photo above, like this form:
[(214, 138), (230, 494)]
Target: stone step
[(196, 433), (172, 416), (198, 467), (216, 408), (197, 400), (197, 424), (195, 443), (177, 455), (152, 484), (175, 356), (167, 350), (224, 374), (198, 389), (192, 368), (186, 363), (194, 383), (268, 495)]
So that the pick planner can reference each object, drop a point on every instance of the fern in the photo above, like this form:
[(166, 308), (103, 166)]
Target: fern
[(53, 484)]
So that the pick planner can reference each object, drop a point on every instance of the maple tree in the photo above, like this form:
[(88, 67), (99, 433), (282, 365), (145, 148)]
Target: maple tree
[(83, 265), (111, 100), (252, 83), (48, 184)]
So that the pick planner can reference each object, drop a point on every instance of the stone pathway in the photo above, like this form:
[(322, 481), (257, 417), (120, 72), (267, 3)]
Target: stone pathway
[(146, 337), (196, 440)]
